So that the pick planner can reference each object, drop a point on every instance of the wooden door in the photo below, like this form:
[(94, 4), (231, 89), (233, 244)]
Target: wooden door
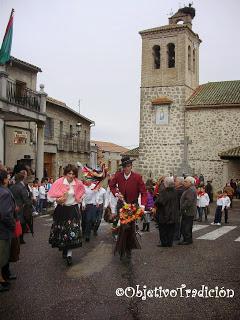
[(48, 164)]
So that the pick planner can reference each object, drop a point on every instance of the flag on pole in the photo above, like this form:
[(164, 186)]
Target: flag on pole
[(5, 50)]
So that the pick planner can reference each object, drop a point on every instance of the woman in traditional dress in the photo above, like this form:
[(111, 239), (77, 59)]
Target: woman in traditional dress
[(65, 232)]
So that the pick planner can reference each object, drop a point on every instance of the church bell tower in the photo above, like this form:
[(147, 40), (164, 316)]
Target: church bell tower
[(170, 74)]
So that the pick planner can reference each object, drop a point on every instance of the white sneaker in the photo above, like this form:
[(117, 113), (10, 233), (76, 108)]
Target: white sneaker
[(213, 223), (218, 224)]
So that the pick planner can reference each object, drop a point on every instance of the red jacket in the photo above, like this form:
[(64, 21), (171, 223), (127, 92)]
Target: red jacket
[(130, 188)]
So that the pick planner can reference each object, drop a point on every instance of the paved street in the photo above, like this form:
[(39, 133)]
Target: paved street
[(47, 289)]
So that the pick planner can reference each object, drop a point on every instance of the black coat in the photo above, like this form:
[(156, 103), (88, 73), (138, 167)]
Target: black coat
[(22, 199), (7, 209), (167, 206), (180, 191)]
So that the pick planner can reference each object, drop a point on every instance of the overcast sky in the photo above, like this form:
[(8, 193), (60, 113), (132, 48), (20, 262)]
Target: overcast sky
[(91, 50)]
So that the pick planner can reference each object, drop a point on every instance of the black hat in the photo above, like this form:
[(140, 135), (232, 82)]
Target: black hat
[(126, 160)]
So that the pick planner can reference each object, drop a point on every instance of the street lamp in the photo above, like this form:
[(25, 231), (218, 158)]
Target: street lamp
[(79, 126)]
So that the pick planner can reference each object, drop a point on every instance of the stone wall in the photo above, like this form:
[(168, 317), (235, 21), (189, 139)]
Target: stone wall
[(19, 74), (164, 76), (57, 114), (64, 158), (112, 160), (212, 131), (14, 151), (161, 146)]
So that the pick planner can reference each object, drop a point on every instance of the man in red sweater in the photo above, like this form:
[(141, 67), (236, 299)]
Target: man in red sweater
[(127, 186)]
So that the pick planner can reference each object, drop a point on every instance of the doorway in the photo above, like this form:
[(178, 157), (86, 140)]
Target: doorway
[(48, 164)]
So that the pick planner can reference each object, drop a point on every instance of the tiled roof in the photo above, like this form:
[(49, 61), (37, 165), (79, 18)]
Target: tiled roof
[(24, 64), (55, 101), (63, 105), (134, 152), (109, 146), (231, 153), (161, 100), (216, 93)]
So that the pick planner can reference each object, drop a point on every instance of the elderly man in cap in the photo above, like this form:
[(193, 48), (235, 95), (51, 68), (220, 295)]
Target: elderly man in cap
[(127, 186), (188, 207)]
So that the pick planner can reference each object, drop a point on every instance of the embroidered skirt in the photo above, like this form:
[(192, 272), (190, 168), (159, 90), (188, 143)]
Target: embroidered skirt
[(66, 231)]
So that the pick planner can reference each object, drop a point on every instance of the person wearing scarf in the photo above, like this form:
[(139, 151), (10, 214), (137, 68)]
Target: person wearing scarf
[(202, 203), (65, 232), (219, 209)]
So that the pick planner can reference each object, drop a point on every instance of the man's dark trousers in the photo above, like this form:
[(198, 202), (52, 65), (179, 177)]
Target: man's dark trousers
[(186, 228)]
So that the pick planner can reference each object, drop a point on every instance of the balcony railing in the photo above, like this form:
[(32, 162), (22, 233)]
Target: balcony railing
[(73, 144), (24, 97)]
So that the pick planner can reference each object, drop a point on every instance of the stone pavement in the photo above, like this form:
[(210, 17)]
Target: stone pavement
[(47, 289)]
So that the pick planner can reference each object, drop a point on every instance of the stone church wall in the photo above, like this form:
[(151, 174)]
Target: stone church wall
[(212, 131)]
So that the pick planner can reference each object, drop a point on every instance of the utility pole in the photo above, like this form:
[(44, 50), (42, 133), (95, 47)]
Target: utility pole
[(79, 105)]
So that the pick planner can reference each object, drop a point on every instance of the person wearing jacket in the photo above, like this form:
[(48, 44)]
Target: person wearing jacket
[(127, 186), (167, 212), (7, 225), (23, 201), (179, 187), (148, 209), (188, 207)]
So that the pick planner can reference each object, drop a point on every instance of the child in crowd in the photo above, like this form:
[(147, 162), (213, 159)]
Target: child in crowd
[(35, 197), (42, 196), (202, 203), (148, 209), (219, 209), (48, 184), (227, 202)]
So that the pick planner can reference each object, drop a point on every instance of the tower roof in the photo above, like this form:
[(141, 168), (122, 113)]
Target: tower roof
[(170, 27), (184, 15)]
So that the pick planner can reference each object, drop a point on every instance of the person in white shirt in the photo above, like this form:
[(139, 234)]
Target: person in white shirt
[(111, 201), (89, 209), (101, 205), (202, 203), (42, 196), (35, 197), (219, 209), (227, 202)]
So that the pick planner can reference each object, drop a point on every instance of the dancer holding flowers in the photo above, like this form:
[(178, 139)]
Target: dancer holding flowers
[(127, 186)]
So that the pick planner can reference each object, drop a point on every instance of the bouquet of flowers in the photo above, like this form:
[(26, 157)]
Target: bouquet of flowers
[(130, 213)]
